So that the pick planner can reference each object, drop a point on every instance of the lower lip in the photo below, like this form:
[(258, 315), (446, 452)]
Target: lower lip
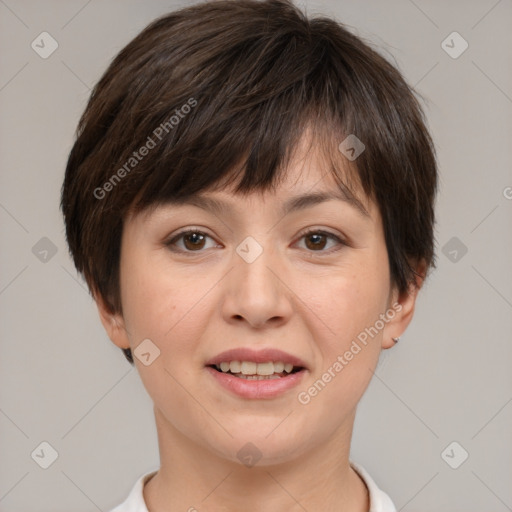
[(257, 389)]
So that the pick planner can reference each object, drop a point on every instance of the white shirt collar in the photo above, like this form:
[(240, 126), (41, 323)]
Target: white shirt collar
[(379, 500)]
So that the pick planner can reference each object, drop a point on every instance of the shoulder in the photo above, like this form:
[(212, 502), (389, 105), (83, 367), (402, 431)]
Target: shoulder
[(135, 500), (379, 500)]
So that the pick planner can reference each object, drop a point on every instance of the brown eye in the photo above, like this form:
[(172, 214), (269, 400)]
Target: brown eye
[(193, 241), (316, 240)]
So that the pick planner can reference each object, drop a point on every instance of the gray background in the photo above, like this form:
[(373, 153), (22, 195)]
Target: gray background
[(449, 378)]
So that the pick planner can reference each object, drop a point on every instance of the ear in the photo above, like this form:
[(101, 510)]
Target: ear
[(112, 322), (403, 305)]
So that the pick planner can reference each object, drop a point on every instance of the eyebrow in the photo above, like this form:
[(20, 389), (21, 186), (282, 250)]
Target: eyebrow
[(292, 204)]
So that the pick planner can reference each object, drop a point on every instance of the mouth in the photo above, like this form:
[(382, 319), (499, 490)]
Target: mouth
[(251, 374), (264, 376), (251, 370)]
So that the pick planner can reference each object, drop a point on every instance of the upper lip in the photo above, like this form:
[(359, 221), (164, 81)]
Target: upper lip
[(257, 356)]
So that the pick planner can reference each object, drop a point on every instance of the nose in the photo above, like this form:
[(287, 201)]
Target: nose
[(255, 291)]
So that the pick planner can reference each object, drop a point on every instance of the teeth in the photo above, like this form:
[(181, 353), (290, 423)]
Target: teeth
[(251, 370), (265, 368), (258, 377), (248, 368), (278, 367), (235, 367)]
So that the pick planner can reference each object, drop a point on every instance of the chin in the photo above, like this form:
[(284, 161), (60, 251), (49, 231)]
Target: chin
[(262, 444)]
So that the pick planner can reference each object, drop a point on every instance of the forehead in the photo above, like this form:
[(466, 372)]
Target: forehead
[(312, 176), (298, 192), (284, 200)]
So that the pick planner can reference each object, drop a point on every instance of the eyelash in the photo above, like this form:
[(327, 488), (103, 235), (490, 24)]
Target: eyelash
[(304, 234)]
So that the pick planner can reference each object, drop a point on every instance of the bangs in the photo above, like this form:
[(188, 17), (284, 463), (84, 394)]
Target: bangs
[(247, 123), (253, 163)]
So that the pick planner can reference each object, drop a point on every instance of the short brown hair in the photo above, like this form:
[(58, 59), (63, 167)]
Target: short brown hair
[(223, 90)]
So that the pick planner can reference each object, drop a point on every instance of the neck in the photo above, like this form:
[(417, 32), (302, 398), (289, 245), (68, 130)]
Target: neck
[(192, 477)]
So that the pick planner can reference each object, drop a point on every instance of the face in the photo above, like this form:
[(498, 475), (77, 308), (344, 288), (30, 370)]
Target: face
[(309, 288)]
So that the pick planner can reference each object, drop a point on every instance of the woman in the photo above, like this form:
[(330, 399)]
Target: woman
[(251, 201)]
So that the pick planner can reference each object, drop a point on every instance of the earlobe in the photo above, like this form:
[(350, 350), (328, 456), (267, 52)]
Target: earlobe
[(112, 322), (405, 302)]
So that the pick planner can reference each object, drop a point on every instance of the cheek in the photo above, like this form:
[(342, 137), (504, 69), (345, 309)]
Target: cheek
[(348, 307), (149, 304), (160, 304), (164, 304), (352, 299)]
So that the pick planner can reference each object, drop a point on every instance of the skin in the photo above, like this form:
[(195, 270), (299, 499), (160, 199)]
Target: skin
[(310, 301)]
